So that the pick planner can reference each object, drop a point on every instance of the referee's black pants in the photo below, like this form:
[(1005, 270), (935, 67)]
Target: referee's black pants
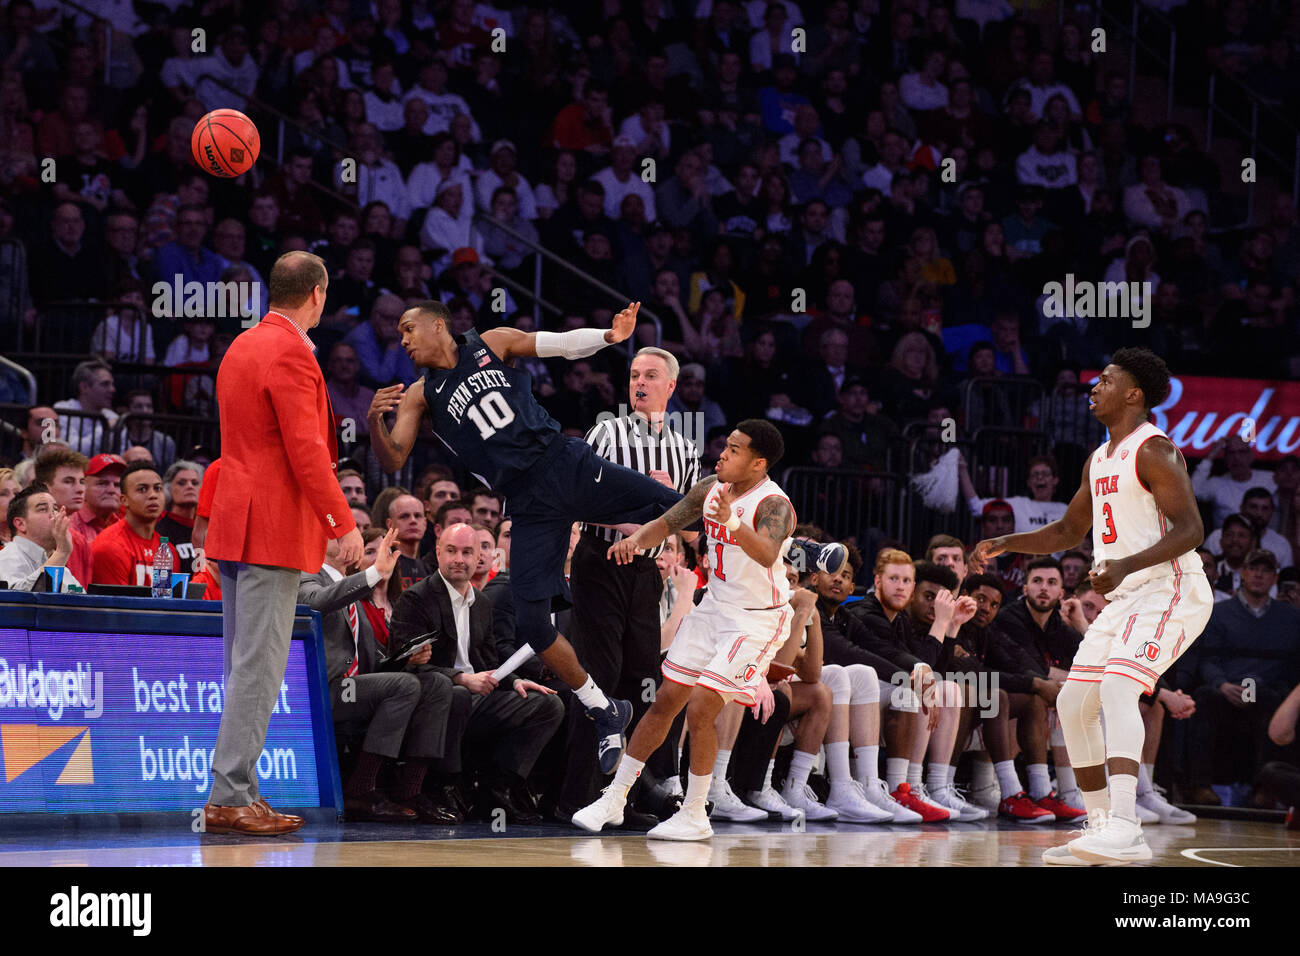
[(615, 631)]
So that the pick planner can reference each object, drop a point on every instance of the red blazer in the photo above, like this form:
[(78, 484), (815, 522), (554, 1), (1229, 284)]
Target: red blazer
[(278, 500)]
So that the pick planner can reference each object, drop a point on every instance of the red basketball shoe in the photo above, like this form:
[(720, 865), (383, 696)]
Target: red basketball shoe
[(917, 804)]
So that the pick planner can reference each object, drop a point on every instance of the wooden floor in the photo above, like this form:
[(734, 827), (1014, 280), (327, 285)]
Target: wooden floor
[(1208, 843)]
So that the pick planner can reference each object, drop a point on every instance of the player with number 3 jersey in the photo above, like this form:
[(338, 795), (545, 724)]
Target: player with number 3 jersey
[(483, 410), (1137, 498)]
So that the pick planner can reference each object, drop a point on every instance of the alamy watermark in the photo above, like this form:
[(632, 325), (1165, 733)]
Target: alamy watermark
[(1098, 300), (975, 687), (212, 300), (690, 425)]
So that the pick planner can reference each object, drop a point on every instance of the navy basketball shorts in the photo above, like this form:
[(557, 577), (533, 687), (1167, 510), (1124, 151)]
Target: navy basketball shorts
[(569, 483)]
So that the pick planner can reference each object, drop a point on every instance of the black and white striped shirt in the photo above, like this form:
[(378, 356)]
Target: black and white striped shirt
[(631, 441)]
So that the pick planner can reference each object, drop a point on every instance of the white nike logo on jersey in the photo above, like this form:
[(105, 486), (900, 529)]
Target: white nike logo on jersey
[(600, 473), (438, 390)]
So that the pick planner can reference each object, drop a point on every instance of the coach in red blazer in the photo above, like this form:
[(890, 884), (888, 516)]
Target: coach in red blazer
[(275, 507)]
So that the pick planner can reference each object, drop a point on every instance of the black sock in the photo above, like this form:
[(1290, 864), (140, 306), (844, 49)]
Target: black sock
[(412, 779), (364, 774)]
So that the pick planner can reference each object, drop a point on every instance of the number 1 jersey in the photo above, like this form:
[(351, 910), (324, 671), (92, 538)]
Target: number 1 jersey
[(1125, 517), (484, 411)]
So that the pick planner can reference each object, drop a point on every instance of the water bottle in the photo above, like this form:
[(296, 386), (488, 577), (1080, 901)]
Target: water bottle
[(163, 561)]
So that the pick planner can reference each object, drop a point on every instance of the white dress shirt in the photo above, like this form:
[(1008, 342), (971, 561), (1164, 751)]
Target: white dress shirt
[(21, 564), (460, 605)]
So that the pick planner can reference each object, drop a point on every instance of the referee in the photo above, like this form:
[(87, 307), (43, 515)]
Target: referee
[(615, 625)]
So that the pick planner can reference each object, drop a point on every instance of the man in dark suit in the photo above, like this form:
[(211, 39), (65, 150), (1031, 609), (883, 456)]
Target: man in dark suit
[(821, 390), (406, 709), (499, 727)]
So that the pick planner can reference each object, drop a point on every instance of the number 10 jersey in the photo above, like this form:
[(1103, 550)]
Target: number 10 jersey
[(485, 413)]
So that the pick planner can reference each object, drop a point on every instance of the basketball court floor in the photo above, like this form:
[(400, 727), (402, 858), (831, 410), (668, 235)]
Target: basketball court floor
[(1207, 843)]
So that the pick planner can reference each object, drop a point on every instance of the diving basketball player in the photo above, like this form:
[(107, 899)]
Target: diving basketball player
[(483, 409)]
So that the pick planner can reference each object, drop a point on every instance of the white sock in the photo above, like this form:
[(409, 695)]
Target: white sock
[(1144, 778), (800, 766), (591, 695), (895, 772), (1065, 779), (1096, 800), (1040, 782), (936, 777), (914, 774), (868, 767), (1123, 796), (626, 774), (678, 765), (1008, 780), (720, 765), (952, 773), (837, 762), (982, 775), (767, 777), (697, 790)]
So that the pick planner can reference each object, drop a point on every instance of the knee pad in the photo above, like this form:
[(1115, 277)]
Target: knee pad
[(1079, 707), (533, 623), (1125, 732), (1079, 700), (864, 685), (1119, 691), (837, 679)]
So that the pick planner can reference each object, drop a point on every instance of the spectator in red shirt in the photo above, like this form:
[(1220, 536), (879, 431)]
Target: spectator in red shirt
[(585, 125), (124, 553), (460, 38), (103, 500)]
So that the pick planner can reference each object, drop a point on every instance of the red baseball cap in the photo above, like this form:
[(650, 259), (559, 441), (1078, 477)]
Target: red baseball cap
[(463, 255), (994, 505), (102, 462)]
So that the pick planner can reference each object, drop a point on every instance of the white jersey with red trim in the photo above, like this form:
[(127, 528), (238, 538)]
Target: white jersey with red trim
[(735, 578), (1125, 517)]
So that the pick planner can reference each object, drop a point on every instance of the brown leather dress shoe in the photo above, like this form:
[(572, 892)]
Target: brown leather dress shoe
[(374, 807), (253, 820), (292, 818)]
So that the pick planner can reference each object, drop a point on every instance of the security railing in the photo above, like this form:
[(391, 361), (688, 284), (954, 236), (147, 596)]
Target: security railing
[(847, 502), (1269, 133), (617, 299), (168, 437), (1005, 401), (13, 286)]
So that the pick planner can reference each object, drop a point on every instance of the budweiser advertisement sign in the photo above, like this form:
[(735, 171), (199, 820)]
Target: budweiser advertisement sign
[(1201, 410)]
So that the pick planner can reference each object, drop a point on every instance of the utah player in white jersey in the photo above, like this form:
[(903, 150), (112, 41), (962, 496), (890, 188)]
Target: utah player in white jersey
[(723, 648), (1137, 497)]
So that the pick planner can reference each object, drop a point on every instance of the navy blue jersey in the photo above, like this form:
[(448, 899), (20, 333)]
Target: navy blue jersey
[(484, 411)]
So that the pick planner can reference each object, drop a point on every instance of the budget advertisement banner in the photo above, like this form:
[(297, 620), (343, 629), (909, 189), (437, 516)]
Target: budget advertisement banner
[(115, 722)]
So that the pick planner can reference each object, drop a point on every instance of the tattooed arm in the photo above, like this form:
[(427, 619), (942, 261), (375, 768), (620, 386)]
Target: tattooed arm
[(773, 523), (686, 512)]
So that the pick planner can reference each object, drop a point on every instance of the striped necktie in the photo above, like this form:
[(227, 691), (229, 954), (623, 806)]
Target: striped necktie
[(356, 630)]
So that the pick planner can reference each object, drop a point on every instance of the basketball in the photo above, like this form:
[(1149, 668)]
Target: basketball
[(225, 143)]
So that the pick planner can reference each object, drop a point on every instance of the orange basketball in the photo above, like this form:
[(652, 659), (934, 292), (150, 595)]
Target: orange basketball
[(225, 143)]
